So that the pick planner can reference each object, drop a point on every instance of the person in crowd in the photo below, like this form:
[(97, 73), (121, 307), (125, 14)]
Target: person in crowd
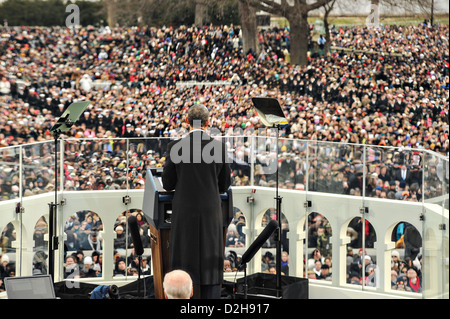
[(88, 268), (120, 268), (324, 273), (71, 268), (413, 280)]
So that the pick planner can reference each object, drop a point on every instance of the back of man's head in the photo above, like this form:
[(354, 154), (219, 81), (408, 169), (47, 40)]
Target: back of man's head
[(178, 285), (198, 116)]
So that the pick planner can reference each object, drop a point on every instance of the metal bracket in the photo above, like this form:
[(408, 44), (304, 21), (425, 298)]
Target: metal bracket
[(442, 226), (19, 208), (307, 204), (126, 199), (55, 241), (364, 210)]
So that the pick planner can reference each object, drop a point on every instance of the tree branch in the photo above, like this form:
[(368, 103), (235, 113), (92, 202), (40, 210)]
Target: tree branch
[(316, 5), (268, 6), (283, 8)]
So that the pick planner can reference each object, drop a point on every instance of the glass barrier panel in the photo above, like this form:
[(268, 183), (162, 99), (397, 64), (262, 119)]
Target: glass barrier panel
[(435, 179), (334, 168), (235, 241), (290, 170), (124, 247), (394, 173), (239, 155), (9, 173), (331, 174), (319, 259), (435, 279), (268, 262), (39, 168), (37, 178), (361, 258), (407, 254), (103, 164), (445, 230), (265, 160)]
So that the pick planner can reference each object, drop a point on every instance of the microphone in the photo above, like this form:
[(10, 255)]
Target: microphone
[(135, 235), (257, 244)]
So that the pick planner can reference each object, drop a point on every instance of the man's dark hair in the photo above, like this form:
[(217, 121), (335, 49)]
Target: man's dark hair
[(198, 115)]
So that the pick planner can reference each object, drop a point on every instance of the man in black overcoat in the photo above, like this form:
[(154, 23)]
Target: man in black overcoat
[(197, 169)]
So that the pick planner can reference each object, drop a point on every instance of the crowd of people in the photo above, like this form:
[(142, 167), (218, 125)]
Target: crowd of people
[(376, 88), (137, 82)]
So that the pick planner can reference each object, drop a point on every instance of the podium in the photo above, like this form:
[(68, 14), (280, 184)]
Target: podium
[(157, 208)]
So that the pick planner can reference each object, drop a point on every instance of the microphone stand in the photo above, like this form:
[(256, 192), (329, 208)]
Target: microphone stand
[(139, 274), (278, 232), (271, 107), (53, 206), (245, 282), (244, 267), (65, 122)]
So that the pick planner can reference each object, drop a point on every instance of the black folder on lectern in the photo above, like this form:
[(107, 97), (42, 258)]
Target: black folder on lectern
[(157, 203)]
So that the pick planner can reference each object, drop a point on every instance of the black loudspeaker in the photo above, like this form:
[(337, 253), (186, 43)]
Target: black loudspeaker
[(263, 286)]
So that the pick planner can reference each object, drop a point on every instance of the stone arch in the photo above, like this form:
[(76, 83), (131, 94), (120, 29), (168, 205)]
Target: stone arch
[(404, 237), (300, 239), (356, 239), (123, 243), (357, 257), (83, 232), (235, 240), (40, 247), (9, 240), (143, 223), (319, 233), (394, 254), (269, 249)]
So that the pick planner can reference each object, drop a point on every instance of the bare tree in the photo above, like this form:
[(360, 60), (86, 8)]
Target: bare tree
[(411, 6), (328, 7), (111, 7), (201, 12), (296, 12), (126, 12), (247, 16)]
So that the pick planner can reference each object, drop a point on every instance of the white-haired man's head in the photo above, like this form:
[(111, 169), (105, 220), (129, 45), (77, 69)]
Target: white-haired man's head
[(177, 284)]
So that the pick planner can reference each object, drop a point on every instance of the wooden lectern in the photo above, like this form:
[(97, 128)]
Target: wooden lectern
[(160, 239), (157, 208)]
